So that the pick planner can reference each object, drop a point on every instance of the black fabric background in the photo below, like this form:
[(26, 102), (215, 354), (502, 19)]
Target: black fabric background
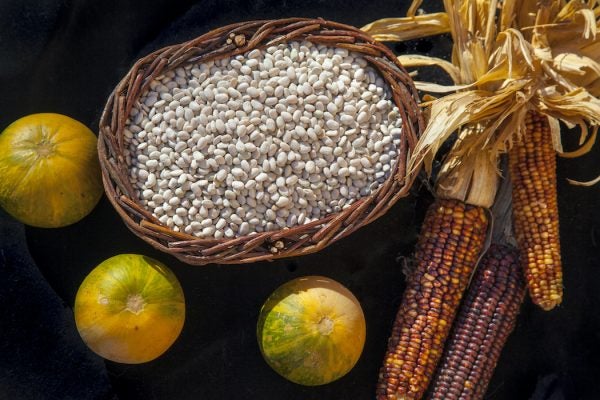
[(66, 57)]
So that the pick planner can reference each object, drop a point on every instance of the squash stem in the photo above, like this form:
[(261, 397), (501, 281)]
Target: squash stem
[(325, 326), (135, 303)]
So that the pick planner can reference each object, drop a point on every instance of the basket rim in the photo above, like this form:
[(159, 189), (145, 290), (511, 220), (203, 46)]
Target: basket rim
[(200, 251)]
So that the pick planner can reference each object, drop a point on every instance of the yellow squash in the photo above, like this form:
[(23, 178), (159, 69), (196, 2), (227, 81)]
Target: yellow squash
[(50, 171), (130, 309), (311, 330)]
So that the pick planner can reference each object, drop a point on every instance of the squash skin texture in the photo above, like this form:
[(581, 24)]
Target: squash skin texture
[(50, 170), (130, 309), (311, 330)]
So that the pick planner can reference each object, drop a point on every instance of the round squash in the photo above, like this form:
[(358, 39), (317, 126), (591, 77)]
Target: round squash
[(50, 171), (130, 309), (311, 330)]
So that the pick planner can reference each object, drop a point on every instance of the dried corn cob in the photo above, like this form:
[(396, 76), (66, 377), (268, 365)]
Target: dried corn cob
[(452, 236), (487, 316), (535, 209)]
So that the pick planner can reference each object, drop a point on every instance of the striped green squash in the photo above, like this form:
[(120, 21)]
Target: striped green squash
[(311, 330)]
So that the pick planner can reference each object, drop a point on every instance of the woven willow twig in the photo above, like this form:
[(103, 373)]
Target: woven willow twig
[(229, 41)]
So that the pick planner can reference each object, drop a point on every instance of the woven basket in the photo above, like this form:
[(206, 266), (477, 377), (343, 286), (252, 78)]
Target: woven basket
[(232, 40)]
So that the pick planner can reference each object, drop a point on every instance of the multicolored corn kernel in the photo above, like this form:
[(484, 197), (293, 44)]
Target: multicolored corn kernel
[(486, 318), (535, 211), (452, 238)]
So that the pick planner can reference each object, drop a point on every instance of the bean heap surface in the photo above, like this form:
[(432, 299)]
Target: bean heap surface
[(269, 139)]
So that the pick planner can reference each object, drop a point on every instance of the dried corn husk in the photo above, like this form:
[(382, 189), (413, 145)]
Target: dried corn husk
[(509, 57)]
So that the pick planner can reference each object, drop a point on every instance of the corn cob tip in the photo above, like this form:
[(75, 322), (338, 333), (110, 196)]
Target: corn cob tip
[(549, 304)]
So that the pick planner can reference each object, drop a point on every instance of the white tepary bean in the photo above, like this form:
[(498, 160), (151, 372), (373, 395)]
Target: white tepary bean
[(261, 141)]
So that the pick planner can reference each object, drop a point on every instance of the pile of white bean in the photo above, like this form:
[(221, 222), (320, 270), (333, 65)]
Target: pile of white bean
[(261, 141)]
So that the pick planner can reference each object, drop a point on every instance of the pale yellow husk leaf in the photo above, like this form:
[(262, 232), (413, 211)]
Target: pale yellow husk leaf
[(586, 183), (416, 60), (586, 147), (408, 28)]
